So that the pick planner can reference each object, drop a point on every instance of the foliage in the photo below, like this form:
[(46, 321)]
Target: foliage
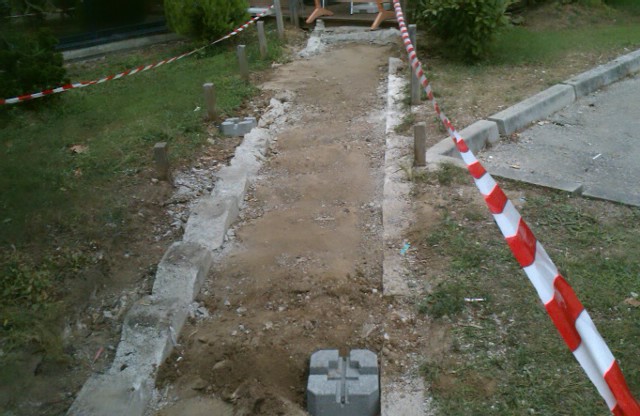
[(205, 19), (29, 62), (22, 283), (469, 26)]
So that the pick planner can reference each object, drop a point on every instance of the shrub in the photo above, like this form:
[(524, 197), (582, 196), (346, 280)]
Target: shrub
[(100, 14), (29, 62), (205, 19), (467, 25)]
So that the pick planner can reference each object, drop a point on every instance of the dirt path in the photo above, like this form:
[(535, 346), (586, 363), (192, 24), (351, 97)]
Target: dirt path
[(304, 271)]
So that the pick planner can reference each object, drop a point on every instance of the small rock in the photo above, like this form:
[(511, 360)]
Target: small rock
[(241, 310)]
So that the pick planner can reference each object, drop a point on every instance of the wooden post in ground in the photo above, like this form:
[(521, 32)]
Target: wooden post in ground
[(415, 82), (262, 40), (420, 144), (161, 157), (279, 21), (210, 100), (242, 62), (294, 12)]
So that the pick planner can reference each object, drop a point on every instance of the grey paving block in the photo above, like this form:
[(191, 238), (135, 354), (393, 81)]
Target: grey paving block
[(210, 220), (478, 135), (539, 106), (343, 386), (148, 337), (598, 77), (238, 126), (181, 271)]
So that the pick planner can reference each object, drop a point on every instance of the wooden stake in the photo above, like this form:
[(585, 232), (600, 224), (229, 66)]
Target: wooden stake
[(262, 40), (210, 100), (420, 144)]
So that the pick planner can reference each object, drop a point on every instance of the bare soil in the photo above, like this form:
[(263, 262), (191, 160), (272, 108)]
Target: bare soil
[(304, 271)]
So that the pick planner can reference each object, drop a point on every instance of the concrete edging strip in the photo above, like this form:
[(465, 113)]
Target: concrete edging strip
[(540, 105)]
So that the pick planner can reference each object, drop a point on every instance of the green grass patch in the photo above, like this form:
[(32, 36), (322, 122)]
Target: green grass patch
[(522, 45), (506, 356), (67, 163)]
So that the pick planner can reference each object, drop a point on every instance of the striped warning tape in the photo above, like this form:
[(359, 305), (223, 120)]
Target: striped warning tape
[(567, 313), (143, 68)]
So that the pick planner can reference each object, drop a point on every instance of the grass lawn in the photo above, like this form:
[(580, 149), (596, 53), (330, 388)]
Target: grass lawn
[(504, 355), (66, 162)]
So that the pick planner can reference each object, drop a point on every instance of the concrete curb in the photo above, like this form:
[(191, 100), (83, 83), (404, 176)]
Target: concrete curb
[(151, 327), (398, 395), (532, 109), (123, 45)]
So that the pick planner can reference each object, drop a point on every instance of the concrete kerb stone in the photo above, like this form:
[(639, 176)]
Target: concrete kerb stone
[(476, 136), (181, 271), (603, 75), (152, 326), (397, 215), (534, 108), (148, 337), (210, 220)]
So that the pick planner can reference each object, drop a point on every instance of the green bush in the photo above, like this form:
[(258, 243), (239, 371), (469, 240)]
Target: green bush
[(467, 26), (205, 19), (29, 62)]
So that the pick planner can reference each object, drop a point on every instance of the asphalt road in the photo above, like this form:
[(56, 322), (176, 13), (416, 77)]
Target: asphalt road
[(590, 147)]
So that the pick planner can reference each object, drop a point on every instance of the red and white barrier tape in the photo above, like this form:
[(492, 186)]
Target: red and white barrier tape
[(129, 72), (567, 313)]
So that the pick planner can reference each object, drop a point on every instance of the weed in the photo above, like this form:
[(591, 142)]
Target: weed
[(446, 300), (405, 125), (508, 358)]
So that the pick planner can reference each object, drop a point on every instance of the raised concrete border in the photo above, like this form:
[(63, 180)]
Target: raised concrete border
[(530, 110), (402, 395), (534, 108), (151, 327), (477, 136), (123, 45)]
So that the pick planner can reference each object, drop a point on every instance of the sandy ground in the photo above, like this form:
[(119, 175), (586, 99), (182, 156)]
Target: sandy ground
[(304, 270)]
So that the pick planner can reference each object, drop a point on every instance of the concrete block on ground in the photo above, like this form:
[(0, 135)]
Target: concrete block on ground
[(210, 220), (598, 77), (343, 386), (148, 337), (237, 126), (233, 182), (534, 108), (632, 60), (181, 271), (478, 135)]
